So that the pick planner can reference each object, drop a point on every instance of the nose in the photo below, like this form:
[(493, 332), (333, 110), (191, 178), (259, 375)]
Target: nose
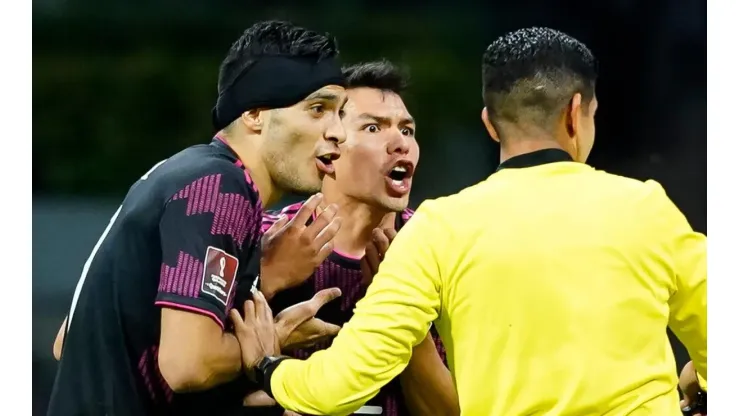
[(399, 143), (336, 133)]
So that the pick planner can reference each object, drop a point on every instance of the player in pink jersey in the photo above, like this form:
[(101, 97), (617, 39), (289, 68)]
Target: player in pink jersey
[(370, 188)]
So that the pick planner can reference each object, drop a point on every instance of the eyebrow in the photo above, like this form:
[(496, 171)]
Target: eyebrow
[(386, 120)]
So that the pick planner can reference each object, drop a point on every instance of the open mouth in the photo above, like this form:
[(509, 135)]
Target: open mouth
[(325, 162), (398, 178)]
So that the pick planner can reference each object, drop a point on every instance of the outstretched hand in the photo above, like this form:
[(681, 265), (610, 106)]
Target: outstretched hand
[(291, 250), (298, 327)]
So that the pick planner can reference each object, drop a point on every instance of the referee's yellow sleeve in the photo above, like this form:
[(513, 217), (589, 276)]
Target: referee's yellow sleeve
[(688, 303), (375, 345)]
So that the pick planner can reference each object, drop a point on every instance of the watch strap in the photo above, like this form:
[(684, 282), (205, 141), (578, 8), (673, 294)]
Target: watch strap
[(264, 372)]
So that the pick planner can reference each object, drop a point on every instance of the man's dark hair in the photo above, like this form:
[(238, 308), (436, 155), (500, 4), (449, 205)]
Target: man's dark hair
[(530, 75), (273, 38), (382, 75)]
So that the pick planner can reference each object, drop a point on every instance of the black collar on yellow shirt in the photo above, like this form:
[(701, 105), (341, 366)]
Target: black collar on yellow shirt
[(538, 157)]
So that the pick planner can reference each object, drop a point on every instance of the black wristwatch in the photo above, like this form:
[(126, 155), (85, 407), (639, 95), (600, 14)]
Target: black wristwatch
[(264, 371)]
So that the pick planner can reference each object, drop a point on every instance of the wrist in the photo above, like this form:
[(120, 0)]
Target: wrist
[(264, 370), (268, 291), (267, 286)]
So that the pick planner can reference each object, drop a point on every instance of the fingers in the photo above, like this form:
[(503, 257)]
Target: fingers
[(326, 234), (258, 399), (310, 333), (322, 220), (328, 330), (249, 311), (372, 257), (236, 318), (299, 313), (381, 241), (276, 226), (390, 233), (304, 213), (322, 297), (262, 309)]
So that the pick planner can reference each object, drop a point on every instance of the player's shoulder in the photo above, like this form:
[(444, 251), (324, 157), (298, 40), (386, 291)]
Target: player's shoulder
[(271, 216), (203, 159), (204, 169)]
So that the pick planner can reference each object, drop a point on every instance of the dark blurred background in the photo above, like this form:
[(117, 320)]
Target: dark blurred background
[(121, 84)]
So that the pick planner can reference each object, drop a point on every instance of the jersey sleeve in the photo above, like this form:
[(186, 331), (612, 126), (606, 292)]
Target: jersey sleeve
[(688, 302), (203, 230), (376, 344)]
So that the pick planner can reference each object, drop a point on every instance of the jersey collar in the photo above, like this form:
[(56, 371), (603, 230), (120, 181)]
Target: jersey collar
[(221, 144), (538, 157)]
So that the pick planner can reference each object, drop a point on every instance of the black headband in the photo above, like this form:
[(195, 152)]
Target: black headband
[(274, 82)]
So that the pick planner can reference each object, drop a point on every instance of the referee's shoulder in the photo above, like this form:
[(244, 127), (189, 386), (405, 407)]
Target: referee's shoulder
[(643, 190), (448, 209)]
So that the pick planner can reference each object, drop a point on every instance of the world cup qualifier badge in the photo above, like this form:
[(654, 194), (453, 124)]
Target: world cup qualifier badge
[(219, 274)]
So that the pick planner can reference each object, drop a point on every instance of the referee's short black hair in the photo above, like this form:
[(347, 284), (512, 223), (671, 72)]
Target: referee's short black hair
[(273, 38), (382, 75), (530, 75)]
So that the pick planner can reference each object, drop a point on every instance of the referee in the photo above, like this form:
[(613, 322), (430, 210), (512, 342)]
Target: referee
[(551, 283)]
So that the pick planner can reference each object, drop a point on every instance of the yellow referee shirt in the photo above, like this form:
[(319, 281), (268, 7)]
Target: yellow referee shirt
[(551, 285)]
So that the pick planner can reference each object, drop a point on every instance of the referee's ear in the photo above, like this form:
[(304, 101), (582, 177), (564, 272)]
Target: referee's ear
[(489, 126)]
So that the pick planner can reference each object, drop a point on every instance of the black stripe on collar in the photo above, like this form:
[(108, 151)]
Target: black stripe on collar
[(538, 157)]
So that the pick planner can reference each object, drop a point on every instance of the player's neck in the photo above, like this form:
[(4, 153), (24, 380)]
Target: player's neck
[(358, 221), (247, 151)]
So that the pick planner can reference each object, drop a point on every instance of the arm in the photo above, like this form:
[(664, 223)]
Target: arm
[(688, 303), (376, 344), (59, 340), (427, 384), (201, 244), (195, 354)]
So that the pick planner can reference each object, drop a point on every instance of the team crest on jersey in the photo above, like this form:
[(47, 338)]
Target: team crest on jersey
[(219, 274)]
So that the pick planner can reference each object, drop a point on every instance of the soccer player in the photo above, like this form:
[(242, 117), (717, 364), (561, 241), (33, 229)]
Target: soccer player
[(148, 315), (371, 186), (552, 293)]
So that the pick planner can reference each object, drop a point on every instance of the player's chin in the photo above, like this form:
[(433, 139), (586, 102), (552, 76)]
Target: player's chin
[(307, 186), (395, 203), (307, 182)]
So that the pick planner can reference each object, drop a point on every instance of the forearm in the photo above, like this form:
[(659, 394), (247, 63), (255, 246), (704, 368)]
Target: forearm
[(195, 353), (225, 363), (427, 384), (219, 363)]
